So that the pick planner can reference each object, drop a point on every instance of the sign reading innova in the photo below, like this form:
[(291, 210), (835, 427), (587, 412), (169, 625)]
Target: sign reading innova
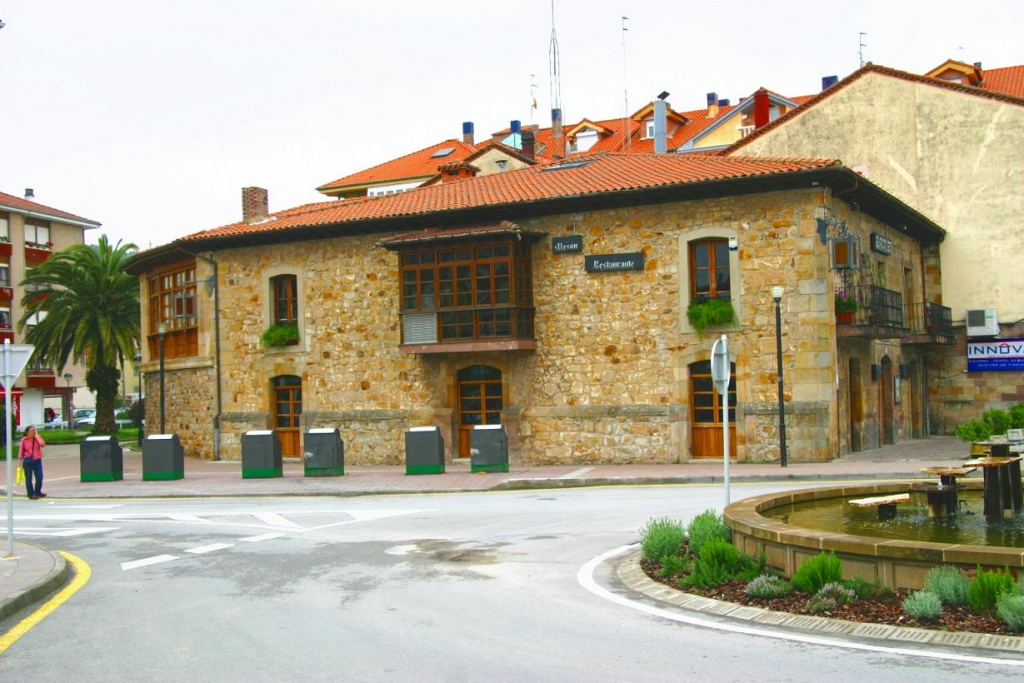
[(995, 354)]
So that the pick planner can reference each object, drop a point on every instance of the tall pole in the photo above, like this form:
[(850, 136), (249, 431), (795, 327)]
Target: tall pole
[(777, 295), (15, 358), (162, 334)]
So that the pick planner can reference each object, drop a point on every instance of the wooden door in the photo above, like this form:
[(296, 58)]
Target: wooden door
[(287, 411), (856, 400), (706, 412), (885, 397), (480, 400)]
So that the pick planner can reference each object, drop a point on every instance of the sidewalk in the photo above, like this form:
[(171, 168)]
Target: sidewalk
[(34, 572)]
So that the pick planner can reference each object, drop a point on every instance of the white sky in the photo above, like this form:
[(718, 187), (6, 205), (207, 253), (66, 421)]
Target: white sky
[(150, 117)]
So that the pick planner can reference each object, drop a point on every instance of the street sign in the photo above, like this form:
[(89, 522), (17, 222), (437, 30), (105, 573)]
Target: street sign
[(720, 365), (15, 358)]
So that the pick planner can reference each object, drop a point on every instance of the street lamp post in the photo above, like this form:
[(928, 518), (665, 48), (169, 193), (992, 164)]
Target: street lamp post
[(777, 295), (67, 400), (138, 396), (161, 331)]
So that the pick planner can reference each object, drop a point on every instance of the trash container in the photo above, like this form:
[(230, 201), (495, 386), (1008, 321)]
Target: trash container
[(163, 458), (261, 455), (488, 449), (424, 451), (101, 459), (323, 453)]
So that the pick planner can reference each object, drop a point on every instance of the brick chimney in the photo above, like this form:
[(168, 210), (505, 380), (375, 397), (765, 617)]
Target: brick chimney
[(457, 170), (527, 138), (712, 105), (467, 132), (762, 108), (255, 205)]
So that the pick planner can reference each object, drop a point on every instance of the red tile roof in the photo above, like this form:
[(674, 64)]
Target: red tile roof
[(1008, 80), (857, 75), (9, 201), (434, 234), (594, 175), (417, 165)]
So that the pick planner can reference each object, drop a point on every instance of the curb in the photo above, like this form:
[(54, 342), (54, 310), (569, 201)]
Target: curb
[(39, 590), (633, 578)]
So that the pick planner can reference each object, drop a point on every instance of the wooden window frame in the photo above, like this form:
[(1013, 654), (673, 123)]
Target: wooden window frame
[(714, 245), (284, 294), (172, 300)]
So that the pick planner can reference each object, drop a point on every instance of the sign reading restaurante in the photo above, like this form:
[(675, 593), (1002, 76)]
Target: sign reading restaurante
[(604, 262)]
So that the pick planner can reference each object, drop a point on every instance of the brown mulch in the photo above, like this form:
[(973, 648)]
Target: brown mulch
[(886, 611)]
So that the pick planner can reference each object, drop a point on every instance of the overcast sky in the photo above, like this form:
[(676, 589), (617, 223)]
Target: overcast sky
[(149, 117)]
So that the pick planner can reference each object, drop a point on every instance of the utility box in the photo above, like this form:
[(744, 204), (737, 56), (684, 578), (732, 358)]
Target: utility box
[(323, 453), (424, 451), (101, 459), (261, 455), (488, 449), (163, 458)]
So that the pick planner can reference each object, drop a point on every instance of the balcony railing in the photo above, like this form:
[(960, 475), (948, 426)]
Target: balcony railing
[(884, 308)]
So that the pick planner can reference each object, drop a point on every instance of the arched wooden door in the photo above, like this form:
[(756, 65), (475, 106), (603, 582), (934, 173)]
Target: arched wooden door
[(706, 412), (480, 400), (287, 391)]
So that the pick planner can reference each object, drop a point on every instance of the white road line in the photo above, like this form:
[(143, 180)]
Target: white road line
[(62, 533), (261, 537), (274, 519), (82, 532), (182, 517), (578, 473), (125, 566), (210, 548), (585, 577)]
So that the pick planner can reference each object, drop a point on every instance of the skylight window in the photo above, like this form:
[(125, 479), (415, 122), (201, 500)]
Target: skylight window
[(442, 152), (568, 164)]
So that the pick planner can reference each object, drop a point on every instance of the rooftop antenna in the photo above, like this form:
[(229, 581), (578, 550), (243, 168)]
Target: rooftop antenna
[(625, 90), (860, 51), (533, 97), (554, 75)]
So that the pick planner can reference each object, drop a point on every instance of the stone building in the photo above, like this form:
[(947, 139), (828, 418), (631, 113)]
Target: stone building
[(948, 143), (553, 299)]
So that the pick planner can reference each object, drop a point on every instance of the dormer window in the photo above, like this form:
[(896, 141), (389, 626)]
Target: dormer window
[(501, 164), (648, 129)]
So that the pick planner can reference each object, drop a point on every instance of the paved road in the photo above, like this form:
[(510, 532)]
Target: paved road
[(469, 586)]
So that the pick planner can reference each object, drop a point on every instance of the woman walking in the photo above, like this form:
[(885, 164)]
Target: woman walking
[(31, 450)]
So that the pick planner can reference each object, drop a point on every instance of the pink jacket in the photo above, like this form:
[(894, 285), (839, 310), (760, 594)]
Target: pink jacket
[(30, 449)]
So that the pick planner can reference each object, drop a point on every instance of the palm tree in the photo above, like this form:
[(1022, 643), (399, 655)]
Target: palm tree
[(86, 308)]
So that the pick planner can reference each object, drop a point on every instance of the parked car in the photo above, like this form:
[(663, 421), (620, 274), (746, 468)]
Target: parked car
[(56, 423)]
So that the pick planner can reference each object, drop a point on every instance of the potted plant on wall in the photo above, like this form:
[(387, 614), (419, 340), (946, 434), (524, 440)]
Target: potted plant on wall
[(846, 308), (710, 312), (279, 336)]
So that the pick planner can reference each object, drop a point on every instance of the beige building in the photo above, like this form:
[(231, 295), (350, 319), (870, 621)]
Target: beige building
[(948, 144), (555, 300), (29, 234)]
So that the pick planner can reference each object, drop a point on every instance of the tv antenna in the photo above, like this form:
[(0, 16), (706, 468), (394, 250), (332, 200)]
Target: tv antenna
[(625, 89), (860, 50)]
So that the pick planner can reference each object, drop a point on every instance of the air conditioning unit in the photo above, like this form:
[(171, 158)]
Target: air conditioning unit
[(982, 322)]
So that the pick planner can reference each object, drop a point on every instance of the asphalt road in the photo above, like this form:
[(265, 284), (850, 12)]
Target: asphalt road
[(460, 587)]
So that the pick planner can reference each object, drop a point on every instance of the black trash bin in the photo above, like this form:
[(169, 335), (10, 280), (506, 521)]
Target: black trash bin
[(261, 455), (101, 459), (323, 453), (488, 449), (163, 458), (424, 451)]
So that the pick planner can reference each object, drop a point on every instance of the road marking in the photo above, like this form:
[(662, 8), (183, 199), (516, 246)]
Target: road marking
[(274, 519), (261, 537), (585, 577), (203, 549), (82, 574), (181, 517), (125, 566), (67, 533)]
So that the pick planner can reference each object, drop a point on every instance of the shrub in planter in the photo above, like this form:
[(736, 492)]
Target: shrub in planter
[(923, 605), (831, 597), (674, 565), (1017, 416), (815, 573), (987, 587), (998, 420), (704, 527), (1010, 608), (661, 537), (949, 583), (769, 587), (973, 430), (277, 336), (866, 590), (710, 312), (846, 304)]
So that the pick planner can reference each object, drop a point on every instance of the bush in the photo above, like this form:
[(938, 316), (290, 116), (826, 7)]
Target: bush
[(1017, 416), (710, 312), (866, 590), (661, 537), (998, 420), (818, 571), (674, 565), (973, 430), (949, 584), (705, 527), (1010, 608), (769, 587), (987, 586), (716, 563), (831, 597), (923, 605)]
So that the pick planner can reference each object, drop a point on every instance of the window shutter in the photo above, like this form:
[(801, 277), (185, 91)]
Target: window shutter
[(419, 328)]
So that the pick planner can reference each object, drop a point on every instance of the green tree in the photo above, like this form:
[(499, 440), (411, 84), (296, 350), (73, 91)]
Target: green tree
[(86, 309)]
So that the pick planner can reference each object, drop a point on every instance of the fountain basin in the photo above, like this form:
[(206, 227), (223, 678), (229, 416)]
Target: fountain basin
[(899, 564)]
